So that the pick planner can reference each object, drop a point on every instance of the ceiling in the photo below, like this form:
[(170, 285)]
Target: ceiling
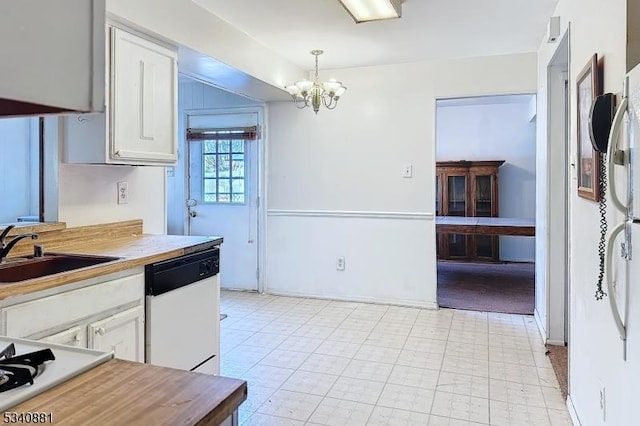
[(428, 29)]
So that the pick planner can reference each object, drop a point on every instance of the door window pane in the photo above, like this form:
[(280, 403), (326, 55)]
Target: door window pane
[(224, 146), (210, 166), (223, 165), (224, 185), (209, 147), (237, 146), (223, 171), (237, 165)]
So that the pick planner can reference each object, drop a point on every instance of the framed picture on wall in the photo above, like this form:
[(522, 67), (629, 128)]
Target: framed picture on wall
[(588, 158)]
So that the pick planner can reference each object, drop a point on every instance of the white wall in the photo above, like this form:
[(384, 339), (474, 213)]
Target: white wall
[(497, 130), (595, 350), (88, 195), (192, 96), (322, 169), (19, 168)]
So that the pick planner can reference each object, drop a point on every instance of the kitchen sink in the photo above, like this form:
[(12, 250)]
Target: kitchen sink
[(51, 263)]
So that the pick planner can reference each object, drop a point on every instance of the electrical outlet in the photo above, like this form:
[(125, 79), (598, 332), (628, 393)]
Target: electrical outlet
[(407, 171), (340, 264), (123, 192), (603, 402)]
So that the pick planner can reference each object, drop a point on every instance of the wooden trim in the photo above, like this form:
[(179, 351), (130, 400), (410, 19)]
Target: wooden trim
[(475, 228), (467, 164)]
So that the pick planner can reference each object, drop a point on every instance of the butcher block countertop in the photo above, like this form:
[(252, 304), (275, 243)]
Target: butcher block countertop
[(124, 240), (129, 393)]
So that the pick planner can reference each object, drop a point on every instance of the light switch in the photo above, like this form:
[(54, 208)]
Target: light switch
[(407, 171)]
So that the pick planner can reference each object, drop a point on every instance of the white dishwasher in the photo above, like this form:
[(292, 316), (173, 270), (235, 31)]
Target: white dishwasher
[(183, 312)]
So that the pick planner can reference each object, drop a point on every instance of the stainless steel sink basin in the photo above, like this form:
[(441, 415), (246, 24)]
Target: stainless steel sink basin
[(49, 264)]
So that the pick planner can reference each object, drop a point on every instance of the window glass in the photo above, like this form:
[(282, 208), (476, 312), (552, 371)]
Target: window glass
[(224, 175)]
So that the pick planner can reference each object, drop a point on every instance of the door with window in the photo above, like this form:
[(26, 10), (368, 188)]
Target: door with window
[(223, 191)]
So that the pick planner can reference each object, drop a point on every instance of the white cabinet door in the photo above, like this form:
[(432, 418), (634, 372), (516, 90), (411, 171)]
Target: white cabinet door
[(75, 336), (122, 333), (143, 99)]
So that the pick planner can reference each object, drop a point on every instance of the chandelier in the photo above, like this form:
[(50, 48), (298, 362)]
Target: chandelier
[(307, 93)]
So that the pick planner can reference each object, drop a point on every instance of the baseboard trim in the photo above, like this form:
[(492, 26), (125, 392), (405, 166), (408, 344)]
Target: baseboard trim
[(555, 342), (246, 290), (375, 300), (541, 330), (351, 214), (572, 412)]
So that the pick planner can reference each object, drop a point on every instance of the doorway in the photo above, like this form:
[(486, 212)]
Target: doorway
[(223, 188), (486, 176), (552, 275)]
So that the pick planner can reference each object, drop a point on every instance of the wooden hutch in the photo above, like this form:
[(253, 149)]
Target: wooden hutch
[(467, 188)]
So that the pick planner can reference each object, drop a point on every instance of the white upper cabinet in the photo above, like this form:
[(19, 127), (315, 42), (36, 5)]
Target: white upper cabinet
[(52, 56), (143, 99), (139, 126)]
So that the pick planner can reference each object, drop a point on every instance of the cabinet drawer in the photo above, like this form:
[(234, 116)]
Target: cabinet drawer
[(74, 336), (54, 312)]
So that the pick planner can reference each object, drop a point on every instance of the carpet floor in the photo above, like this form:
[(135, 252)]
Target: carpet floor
[(558, 358), (491, 287)]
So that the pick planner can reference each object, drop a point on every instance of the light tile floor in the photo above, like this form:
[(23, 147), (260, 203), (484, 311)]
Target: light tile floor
[(322, 362)]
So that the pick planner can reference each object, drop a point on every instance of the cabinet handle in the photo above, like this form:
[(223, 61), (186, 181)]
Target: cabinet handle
[(76, 338), (100, 331)]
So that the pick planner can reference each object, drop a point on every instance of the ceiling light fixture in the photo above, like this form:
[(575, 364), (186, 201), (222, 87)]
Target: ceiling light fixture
[(372, 10), (307, 93)]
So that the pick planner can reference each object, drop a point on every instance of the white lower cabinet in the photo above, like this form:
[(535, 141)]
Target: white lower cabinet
[(103, 315), (121, 333)]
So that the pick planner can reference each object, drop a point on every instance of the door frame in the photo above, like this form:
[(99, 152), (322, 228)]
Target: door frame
[(261, 152), (557, 285)]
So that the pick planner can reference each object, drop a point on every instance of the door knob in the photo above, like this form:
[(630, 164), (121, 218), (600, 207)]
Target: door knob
[(192, 213)]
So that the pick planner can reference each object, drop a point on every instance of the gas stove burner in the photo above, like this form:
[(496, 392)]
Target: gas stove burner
[(8, 352), (16, 371)]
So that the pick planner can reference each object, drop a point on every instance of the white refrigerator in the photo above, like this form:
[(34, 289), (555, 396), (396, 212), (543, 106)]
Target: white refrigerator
[(623, 171)]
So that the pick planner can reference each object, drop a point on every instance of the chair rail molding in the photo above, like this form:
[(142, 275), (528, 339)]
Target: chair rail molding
[(352, 214)]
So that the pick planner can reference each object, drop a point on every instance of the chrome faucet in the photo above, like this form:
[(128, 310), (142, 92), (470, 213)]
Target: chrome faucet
[(5, 248)]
